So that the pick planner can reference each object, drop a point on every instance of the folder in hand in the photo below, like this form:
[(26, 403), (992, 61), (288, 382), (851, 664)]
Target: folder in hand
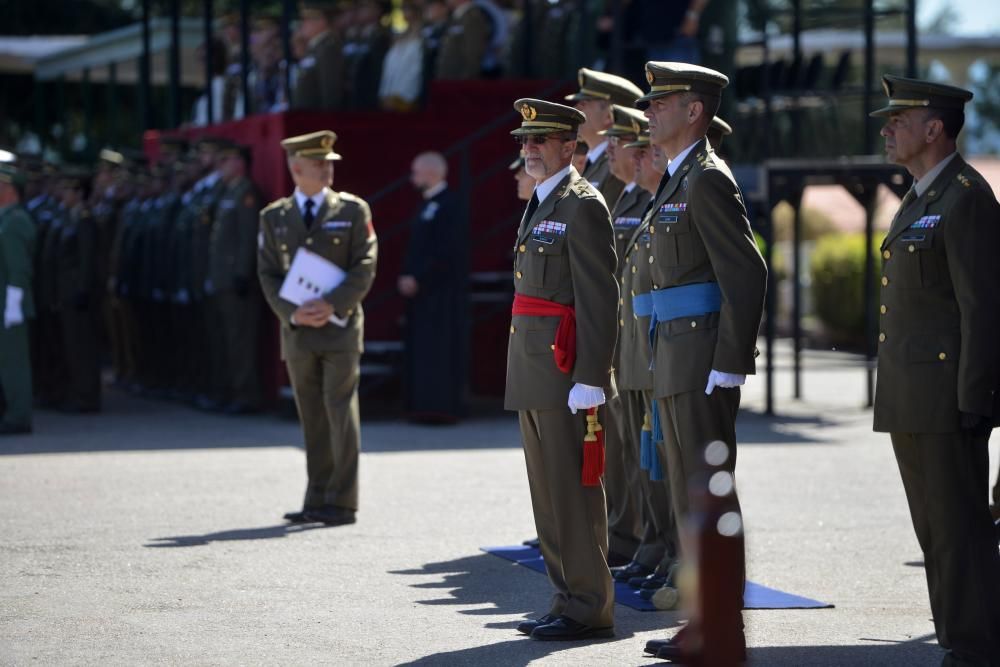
[(310, 277)]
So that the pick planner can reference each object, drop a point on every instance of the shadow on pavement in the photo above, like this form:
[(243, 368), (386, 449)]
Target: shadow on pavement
[(264, 533), (917, 652), (474, 581)]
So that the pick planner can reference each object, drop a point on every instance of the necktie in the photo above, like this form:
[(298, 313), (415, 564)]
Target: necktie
[(532, 207), (911, 194), (309, 216), (586, 166)]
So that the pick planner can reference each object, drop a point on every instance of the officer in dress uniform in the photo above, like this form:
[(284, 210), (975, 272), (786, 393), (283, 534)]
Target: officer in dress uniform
[(433, 281), (320, 80), (598, 91), (17, 250), (564, 272), (938, 360), (322, 356), (622, 469), (708, 285), (232, 265)]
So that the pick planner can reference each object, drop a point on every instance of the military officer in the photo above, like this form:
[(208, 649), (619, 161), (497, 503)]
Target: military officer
[(435, 272), (938, 361), (232, 265), (655, 558), (322, 357), (17, 250), (564, 273), (708, 285), (320, 80), (525, 183), (717, 131), (598, 91)]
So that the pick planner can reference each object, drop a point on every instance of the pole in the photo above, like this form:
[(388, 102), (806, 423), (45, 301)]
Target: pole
[(88, 109), (145, 119), (112, 102), (869, 74), (208, 16), (287, 12), (796, 201), (911, 38), (174, 88), (245, 56)]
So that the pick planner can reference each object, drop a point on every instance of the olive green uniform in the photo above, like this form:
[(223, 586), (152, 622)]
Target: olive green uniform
[(938, 357), (320, 80), (17, 251), (232, 263), (464, 42), (324, 363), (575, 267), (599, 174)]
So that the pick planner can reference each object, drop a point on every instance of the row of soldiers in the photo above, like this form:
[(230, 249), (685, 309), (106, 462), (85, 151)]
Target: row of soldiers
[(153, 264)]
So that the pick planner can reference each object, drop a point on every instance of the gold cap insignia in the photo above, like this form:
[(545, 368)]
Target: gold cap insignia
[(649, 77), (528, 112), (579, 78), (326, 142), (635, 126)]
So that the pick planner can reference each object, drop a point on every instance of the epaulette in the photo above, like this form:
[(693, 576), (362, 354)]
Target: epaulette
[(964, 181), (583, 188), (273, 205)]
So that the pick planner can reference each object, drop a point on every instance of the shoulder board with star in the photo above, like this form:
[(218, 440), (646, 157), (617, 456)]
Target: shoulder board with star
[(582, 188), (275, 205), (964, 180)]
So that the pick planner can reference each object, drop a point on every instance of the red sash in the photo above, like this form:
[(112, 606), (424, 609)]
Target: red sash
[(565, 342)]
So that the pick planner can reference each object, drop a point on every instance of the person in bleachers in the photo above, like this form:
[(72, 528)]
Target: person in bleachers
[(402, 70), (320, 80), (465, 41)]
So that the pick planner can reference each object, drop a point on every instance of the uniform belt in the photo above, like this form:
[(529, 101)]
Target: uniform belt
[(672, 303), (642, 304), (564, 348)]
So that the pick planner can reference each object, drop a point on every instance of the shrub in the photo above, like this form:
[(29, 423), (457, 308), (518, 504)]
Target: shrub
[(837, 269)]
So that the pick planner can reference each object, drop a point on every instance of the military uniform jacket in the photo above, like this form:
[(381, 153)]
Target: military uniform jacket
[(17, 251), (564, 253), (76, 256), (232, 249), (700, 233), (464, 42), (940, 307), (343, 234), (633, 372), (320, 80), (201, 237), (599, 174)]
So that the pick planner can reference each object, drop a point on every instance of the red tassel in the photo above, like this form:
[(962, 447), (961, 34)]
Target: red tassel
[(593, 450)]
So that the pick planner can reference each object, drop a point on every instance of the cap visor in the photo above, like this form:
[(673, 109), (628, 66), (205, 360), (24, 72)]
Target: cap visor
[(537, 130), (886, 111), (644, 143), (581, 96)]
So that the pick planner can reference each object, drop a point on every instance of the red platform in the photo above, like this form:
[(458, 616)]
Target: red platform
[(467, 120)]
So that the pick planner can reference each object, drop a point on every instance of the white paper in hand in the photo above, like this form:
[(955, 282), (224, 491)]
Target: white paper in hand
[(310, 277)]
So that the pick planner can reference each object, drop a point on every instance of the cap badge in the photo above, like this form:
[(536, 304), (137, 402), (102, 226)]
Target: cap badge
[(528, 112), (649, 77), (326, 142)]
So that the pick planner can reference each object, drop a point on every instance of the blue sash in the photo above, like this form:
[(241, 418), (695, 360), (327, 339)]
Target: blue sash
[(672, 303), (642, 304)]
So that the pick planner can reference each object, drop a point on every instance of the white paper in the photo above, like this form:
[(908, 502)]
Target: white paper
[(310, 277)]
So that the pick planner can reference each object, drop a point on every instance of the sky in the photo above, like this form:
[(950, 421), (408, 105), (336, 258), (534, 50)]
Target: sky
[(975, 17)]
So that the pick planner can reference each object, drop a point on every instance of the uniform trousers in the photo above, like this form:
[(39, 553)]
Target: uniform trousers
[(325, 385), (658, 538), (571, 519), (15, 375), (624, 517), (690, 421), (945, 476)]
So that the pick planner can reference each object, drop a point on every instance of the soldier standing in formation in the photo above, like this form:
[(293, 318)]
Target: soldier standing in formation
[(17, 250), (939, 363), (708, 284), (598, 91), (322, 357), (433, 282), (564, 279)]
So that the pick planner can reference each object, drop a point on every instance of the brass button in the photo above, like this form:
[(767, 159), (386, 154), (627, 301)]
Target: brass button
[(284, 247), (636, 246), (886, 254), (541, 249), (633, 292), (522, 247), (336, 241), (883, 309), (648, 246), (518, 275), (621, 301), (652, 230), (656, 287), (621, 323), (693, 324), (911, 248), (621, 236), (634, 269), (881, 338), (942, 356), (552, 347), (309, 241), (885, 281), (512, 329), (651, 259)]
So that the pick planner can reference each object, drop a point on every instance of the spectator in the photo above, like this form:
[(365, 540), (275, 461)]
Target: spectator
[(465, 41), (319, 84), (402, 71), (499, 32), (265, 81), (363, 63), (199, 116), (433, 31)]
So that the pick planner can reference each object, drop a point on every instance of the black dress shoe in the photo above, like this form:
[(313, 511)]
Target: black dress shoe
[(616, 559), (526, 627), (565, 628), (533, 543), (674, 651), (332, 515), (654, 645), (630, 571), (298, 517), (649, 581), (14, 429)]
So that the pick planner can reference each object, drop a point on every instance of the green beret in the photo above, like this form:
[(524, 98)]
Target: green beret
[(906, 94), (667, 78), (596, 85), (315, 145), (541, 117)]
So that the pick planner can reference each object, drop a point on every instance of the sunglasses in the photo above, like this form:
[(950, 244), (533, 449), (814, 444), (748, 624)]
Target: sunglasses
[(536, 139)]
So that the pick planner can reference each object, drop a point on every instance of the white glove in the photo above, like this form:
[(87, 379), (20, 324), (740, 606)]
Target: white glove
[(724, 380), (13, 314), (584, 397)]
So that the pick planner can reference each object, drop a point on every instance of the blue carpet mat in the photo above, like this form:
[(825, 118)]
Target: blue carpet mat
[(754, 597)]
